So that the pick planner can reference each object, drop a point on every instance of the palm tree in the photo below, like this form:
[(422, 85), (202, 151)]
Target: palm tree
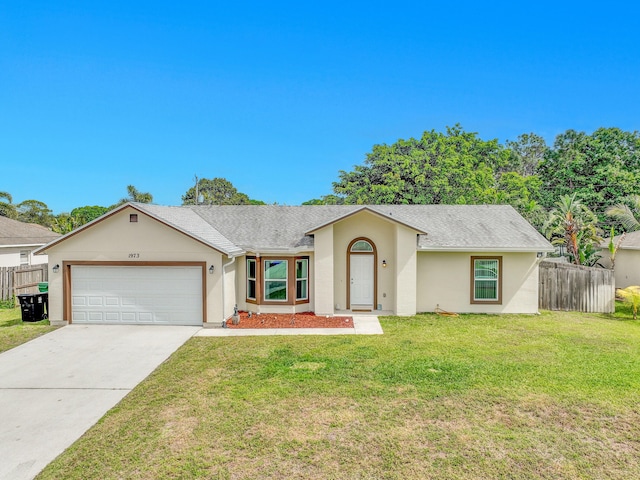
[(625, 215), (134, 195), (573, 225)]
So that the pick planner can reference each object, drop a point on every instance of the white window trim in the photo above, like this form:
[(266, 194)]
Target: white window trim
[(285, 280), (305, 279), (253, 279)]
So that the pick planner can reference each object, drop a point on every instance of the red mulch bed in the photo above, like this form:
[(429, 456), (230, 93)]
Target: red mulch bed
[(290, 320)]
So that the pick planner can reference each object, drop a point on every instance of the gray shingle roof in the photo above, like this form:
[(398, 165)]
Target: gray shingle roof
[(448, 227), (189, 222), (13, 232), (631, 241), (236, 229)]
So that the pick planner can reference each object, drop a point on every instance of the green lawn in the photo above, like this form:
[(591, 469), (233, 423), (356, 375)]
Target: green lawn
[(550, 396), (13, 331)]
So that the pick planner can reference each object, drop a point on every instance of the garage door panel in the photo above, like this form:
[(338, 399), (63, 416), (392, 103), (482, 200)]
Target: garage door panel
[(78, 301), (112, 301), (95, 301), (129, 295)]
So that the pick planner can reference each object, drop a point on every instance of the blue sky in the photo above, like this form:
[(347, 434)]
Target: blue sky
[(277, 97)]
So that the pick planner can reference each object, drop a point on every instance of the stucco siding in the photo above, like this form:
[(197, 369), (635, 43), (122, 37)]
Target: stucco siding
[(382, 233), (444, 280), (323, 271), (627, 267), (116, 239), (405, 268)]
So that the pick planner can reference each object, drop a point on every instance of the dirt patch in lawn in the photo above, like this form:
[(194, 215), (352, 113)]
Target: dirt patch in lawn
[(290, 320)]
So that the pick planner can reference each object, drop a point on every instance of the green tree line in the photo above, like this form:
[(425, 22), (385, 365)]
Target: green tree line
[(571, 191)]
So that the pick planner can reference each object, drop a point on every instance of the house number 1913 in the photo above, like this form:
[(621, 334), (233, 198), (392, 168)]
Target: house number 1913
[(134, 255)]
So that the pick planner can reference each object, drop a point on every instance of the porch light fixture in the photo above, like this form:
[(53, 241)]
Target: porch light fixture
[(56, 268), (384, 264), (211, 269)]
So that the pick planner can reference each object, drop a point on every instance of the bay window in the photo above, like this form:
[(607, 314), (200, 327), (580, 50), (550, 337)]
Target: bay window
[(276, 280)]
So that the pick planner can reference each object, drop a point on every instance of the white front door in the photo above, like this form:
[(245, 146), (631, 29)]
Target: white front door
[(361, 289)]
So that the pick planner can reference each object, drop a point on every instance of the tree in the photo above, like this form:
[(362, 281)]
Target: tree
[(455, 167), (573, 225), (325, 200), (627, 216), (523, 193), (64, 223), (601, 169), (7, 208), (217, 191), (35, 211), (134, 195), (525, 154), (88, 213)]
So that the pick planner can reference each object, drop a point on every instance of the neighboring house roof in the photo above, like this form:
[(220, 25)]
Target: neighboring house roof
[(631, 241), (14, 233), (236, 229)]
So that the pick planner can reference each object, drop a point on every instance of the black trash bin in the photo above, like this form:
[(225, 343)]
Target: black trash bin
[(33, 306)]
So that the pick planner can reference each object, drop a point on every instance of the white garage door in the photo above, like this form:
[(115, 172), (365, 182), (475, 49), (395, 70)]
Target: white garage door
[(136, 295)]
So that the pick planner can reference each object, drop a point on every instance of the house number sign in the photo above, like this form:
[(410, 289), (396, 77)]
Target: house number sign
[(134, 255)]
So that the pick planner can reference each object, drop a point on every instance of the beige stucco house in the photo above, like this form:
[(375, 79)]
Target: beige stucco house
[(627, 259), (192, 264), (19, 240)]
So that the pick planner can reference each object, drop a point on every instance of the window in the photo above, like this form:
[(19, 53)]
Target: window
[(302, 279), (275, 280), (251, 278), (486, 280), (361, 246), (133, 217), (24, 257)]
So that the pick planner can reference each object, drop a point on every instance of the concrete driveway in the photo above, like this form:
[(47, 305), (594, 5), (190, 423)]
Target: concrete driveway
[(54, 388)]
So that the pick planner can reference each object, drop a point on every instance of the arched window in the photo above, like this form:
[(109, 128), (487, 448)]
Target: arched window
[(361, 246)]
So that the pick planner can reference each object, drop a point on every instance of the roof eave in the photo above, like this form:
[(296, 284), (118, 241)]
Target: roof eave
[(20, 245), (279, 251), (486, 249)]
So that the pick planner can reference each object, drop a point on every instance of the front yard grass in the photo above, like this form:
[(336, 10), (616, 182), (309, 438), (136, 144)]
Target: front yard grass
[(536, 397), (14, 332)]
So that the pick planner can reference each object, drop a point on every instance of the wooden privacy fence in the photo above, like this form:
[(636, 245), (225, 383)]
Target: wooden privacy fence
[(564, 286), (17, 280)]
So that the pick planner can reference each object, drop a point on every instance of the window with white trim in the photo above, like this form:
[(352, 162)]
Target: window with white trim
[(24, 257), (275, 280), (302, 279), (486, 280), (251, 278)]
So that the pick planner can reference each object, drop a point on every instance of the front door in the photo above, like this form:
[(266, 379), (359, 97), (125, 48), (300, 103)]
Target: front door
[(361, 288)]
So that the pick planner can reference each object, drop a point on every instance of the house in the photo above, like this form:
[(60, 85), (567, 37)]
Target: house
[(18, 241), (627, 259), (145, 263)]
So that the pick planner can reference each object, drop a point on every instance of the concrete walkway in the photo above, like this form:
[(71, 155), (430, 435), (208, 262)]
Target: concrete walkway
[(54, 388), (362, 325)]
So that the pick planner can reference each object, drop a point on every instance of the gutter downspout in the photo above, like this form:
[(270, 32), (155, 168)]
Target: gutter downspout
[(224, 266)]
